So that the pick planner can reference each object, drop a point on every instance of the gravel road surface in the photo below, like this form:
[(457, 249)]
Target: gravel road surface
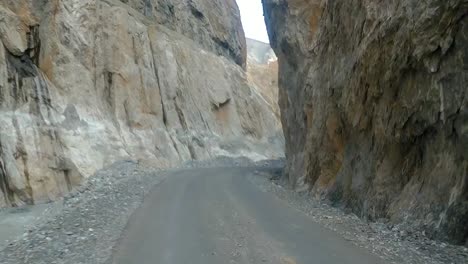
[(216, 215)]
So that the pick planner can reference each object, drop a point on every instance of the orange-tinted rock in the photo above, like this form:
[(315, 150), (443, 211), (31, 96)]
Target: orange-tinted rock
[(374, 102)]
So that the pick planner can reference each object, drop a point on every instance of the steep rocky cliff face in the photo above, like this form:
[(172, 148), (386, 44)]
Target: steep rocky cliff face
[(84, 83), (374, 100), (215, 25)]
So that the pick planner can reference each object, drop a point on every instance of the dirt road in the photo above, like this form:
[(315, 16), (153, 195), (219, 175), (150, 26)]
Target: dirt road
[(204, 216)]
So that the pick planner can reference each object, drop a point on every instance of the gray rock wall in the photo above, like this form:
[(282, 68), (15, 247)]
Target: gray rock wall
[(215, 25), (84, 83), (374, 99)]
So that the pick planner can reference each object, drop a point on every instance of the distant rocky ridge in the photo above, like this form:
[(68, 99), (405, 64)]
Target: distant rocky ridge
[(374, 104), (262, 71), (260, 52), (86, 83)]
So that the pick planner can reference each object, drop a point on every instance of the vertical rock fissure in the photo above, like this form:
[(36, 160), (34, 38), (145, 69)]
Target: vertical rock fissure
[(162, 99), (183, 123), (158, 82), (66, 174), (109, 92), (180, 115), (4, 185), (27, 195), (34, 44)]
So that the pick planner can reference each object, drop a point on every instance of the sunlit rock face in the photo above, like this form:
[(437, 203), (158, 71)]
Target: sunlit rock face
[(262, 72), (374, 103), (84, 83)]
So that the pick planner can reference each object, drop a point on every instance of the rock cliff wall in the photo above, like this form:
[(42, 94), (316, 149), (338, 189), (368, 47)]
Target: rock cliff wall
[(374, 99), (215, 25), (84, 83)]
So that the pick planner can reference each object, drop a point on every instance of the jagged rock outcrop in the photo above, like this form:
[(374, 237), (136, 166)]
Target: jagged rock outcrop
[(262, 72), (374, 99), (84, 83)]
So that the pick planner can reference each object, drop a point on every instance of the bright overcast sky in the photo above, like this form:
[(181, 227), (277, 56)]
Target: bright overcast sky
[(252, 19)]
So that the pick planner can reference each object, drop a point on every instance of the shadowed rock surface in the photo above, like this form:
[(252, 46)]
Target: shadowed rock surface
[(86, 83), (374, 104)]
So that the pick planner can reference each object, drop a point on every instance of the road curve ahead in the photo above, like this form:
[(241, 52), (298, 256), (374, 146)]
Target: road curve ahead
[(217, 216)]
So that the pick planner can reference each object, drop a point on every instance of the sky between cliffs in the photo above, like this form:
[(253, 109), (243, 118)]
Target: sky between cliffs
[(252, 19)]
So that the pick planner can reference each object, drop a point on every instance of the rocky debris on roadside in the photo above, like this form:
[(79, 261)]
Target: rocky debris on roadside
[(90, 221), (223, 161), (393, 243)]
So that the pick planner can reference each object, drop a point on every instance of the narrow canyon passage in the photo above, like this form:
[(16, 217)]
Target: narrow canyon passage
[(110, 108), (217, 215)]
